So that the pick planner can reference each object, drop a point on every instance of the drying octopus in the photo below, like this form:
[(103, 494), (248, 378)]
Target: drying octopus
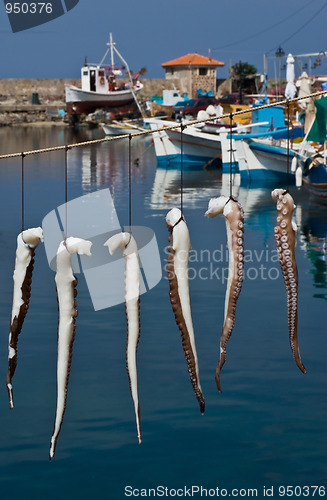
[(66, 284), (177, 270), (127, 244), (285, 235), (234, 218), (27, 241)]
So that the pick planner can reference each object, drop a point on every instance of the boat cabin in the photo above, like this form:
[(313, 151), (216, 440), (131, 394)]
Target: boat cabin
[(93, 78), (272, 117)]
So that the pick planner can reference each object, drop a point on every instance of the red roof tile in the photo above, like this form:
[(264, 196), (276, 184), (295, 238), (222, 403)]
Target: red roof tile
[(193, 60)]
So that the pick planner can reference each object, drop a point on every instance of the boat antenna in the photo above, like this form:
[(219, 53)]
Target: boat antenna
[(111, 45)]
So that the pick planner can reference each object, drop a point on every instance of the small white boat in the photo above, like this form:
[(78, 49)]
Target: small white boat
[(100, 88), (121, 128)]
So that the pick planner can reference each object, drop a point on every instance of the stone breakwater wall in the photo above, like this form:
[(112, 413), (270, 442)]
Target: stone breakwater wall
[(28, 101), (21, 90)]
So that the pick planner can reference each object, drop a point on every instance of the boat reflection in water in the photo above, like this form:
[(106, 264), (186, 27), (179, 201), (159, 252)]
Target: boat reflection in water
[(314, 243), (106, 165), (198, 187)]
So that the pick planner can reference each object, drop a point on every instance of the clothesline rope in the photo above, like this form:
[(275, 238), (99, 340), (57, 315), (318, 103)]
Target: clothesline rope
[(169, 127)]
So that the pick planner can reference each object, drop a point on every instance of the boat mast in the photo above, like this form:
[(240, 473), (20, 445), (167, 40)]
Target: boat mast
[(112, 48), (111, 45)]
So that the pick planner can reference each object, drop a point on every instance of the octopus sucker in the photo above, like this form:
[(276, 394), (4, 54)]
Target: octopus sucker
[(127, 244), (27, 241), (234, 219), (177, 271), (66, 284), (285, 229)]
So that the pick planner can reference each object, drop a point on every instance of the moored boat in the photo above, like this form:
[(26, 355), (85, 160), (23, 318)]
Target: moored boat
[(262, 162), (266, 154), (121, 128)]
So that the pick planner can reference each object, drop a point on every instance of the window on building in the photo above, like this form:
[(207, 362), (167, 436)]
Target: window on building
[(203, 71)]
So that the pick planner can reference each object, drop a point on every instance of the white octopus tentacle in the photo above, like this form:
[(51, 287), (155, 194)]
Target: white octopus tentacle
[(66, 283), (127, 244), (234, 218), (177, 269), (285, 236), (27, 241)]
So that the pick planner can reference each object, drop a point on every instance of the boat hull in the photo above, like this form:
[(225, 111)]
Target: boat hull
[(198, 149), (190, 162), (79, 101), (315, 181), (260, 163)]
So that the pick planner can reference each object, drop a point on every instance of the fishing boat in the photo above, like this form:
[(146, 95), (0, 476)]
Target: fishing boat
[(199, 146), (267, 153), (197, 149), (261, 162), (100, 87)]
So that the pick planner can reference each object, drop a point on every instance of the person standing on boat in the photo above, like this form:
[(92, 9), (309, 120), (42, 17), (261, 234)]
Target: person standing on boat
[(111, 82)]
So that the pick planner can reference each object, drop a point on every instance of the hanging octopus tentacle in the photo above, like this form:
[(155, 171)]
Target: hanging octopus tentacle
[(285, 236), (66, 289), (127, 244), (234, 218), (177, 270), (27, 241)]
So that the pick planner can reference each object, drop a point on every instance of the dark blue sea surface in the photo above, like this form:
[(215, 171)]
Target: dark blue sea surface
[(269, 426)]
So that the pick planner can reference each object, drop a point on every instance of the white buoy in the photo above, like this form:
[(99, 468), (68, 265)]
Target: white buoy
[(294, 164), (202, 115), (211, 110), (298, 177)]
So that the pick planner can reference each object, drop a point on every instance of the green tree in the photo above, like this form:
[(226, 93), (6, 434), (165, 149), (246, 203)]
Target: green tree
[(240, 72)]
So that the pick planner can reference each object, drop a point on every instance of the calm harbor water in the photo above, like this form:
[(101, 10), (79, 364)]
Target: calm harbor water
[(269, 426)]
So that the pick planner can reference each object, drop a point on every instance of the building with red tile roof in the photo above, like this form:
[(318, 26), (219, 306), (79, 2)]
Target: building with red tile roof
[(194, 72), (193, 60)]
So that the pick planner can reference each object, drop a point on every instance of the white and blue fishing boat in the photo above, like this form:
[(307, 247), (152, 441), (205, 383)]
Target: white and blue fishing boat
[(267, 154), (197, 149)]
